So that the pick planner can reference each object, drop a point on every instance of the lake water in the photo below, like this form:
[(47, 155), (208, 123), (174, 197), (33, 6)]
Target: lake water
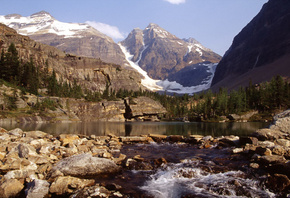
[(141, 128)]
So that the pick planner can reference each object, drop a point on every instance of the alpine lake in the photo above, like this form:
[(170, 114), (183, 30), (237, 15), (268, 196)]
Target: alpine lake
[(141, 128)]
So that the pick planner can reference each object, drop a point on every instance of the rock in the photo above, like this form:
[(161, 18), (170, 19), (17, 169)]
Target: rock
[(271, 159), (16, 132), (175, 138), (278, 150), (158, 162), (278, 182), (282, 122), (228, 141), (263, 151), (283, 142), (66, 139), (37, 188), (68, 184), (267, 134), (11, 188), (134, 139), (237, 150), (2, 130), (254, 165), (36, 134), (94, 191), (234, 117), (157, 137), (84, 165), (267, 144), (248, 140), (207, 138), (143, 106), (18, 174)]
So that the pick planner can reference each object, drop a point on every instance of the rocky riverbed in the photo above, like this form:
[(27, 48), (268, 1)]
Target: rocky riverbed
[(37, 164)]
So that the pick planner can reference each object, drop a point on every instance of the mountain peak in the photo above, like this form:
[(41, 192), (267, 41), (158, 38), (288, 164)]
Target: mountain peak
[(42, 15), (152, 26)]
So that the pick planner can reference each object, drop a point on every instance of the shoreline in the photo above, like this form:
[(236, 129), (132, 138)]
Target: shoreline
[(37, 163)]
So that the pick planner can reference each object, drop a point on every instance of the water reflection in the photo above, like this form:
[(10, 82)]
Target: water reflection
[(140, 128)]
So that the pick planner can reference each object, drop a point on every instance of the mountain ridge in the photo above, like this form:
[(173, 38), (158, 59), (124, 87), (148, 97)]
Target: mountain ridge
[(260, 51), (156, 51), (165, 53)]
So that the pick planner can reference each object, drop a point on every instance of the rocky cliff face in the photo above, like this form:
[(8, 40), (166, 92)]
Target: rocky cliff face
[(91, 73), (69, 109), (74, 38), (162, 54), (260, 51)]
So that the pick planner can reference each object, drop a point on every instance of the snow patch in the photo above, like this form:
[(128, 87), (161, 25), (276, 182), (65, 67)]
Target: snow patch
[(42, 24), (166, 85), (148, 82)]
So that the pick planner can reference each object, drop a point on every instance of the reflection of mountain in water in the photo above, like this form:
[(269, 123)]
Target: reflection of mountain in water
[(141, 128)]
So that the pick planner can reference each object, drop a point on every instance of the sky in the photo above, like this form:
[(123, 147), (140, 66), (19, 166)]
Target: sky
[(214, 23)]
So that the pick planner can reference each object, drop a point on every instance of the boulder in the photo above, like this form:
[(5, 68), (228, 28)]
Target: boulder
[(157, 137), (282, 122), (37, 188), (16, 132), (283, 142), (272, 159), (267, 134), (68, 184), (84, 165), (11, 188), (36, 134), (278, 182), (131, 139)]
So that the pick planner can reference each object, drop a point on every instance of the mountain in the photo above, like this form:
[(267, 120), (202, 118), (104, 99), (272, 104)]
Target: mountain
[(73, 38), (260, 51), (161, 54), (162, 59), (90, 73)]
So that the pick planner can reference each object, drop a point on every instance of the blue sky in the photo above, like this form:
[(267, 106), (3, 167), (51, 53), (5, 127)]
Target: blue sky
[(214, 23)]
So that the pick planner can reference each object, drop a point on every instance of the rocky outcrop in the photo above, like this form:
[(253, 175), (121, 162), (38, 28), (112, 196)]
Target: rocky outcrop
[(69, 109), (143, 108), (262, 47), (93, 74)]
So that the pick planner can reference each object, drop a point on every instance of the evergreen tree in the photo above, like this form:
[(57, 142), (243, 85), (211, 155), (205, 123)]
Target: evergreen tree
[(53, 87)]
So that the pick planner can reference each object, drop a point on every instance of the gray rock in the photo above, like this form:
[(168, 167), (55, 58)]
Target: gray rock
[(84, 165), (282, 122), (16, 132), (268, 134), (283, 142), (37, 189)]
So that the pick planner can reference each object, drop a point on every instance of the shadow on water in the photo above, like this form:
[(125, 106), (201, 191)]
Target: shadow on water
[(141, 128)]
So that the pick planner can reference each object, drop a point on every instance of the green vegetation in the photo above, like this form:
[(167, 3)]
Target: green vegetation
[(265, 98)]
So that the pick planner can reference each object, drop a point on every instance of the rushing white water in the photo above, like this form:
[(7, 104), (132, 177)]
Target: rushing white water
[(187, 178)]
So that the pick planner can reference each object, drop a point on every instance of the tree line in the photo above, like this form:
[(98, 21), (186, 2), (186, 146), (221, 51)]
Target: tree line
[(265, 97)]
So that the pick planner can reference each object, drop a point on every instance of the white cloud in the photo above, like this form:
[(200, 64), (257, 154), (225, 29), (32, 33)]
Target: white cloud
[(176, 1), (111, 31)]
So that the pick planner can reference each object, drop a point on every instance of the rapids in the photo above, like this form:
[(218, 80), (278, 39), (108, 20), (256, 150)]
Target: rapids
[(193, 172)]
